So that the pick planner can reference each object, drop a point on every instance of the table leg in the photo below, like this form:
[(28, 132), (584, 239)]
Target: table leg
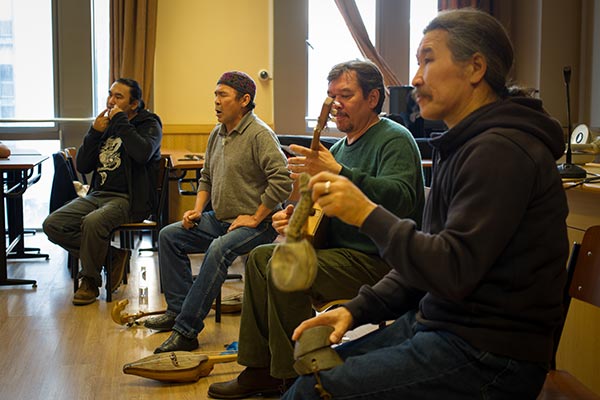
[(4, 280), (16, 230)]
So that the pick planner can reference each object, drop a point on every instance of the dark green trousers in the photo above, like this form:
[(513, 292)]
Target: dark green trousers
[(269, 316), (83, 227)]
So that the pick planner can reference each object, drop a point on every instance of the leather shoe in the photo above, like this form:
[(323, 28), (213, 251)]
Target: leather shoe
[(86, 293), (177, 342), (119, 260), (250, 382), (162, 323)]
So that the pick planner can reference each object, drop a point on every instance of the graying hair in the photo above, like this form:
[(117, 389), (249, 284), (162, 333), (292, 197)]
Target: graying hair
[(473, 31)]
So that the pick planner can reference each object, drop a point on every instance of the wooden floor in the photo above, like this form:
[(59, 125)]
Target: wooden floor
[(51, 349)]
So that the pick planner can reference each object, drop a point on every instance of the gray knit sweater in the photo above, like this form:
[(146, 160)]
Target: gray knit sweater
[(244, 168)]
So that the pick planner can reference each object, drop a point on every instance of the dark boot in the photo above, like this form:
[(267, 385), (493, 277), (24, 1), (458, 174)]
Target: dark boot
[(120, 259), (250, 382)]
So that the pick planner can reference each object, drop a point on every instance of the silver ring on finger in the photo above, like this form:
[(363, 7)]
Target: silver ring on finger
[(327, 186)]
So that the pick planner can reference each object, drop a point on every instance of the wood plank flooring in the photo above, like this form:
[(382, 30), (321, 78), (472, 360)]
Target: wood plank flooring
[(51, 349)]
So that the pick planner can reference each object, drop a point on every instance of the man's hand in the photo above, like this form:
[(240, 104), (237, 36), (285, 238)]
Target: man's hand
[(340, 318), (312, 162), (244, 220), (281, 219), (339, 197), (113, 111), (190, 218), (101, 121)]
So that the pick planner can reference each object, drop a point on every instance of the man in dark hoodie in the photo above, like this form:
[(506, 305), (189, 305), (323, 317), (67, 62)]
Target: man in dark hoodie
[(122, 151), (477, 294)]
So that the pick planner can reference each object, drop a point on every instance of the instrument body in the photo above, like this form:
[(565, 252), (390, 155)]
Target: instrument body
[(176, 366)]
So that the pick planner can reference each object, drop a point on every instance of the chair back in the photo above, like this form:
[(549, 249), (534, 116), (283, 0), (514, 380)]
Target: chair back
[(160, 214), (583, 277), (585, 284), (70, 154), (62, 190)]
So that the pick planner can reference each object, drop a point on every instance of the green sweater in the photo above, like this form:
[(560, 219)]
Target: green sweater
[(385, 164), (244, 168)]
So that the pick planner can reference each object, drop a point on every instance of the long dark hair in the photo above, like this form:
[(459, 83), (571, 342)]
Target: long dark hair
[(473, 31), (135, 92)]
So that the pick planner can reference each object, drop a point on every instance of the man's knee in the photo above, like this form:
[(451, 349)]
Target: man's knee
[(166, 234), (50, 227), (260, 256)]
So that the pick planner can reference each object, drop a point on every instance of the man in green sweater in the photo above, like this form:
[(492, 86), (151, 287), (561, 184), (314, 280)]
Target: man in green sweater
[(382, 159)]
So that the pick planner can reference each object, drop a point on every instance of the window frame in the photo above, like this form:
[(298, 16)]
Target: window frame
[(73, 76), (290, 55)]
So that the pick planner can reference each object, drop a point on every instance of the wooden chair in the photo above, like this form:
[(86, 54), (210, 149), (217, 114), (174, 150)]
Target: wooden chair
[(583, 284), (153, 225)]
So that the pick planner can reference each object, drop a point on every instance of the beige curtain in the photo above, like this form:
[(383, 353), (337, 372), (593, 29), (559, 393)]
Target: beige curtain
[(133, 42), (485, 5), (352, 17)]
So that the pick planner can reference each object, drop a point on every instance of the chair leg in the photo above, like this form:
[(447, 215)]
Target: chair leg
[(218, 299), (126, 242), (73, 265), (218, 308), (107, 269)]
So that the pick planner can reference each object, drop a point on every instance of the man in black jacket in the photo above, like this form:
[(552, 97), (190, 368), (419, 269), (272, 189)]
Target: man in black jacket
[(477, 294), (122, 151)]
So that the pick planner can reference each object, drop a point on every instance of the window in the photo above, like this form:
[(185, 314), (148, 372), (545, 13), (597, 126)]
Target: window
[(100, 28), (330, 42), (421, 12), (29, 69), (26, 77)]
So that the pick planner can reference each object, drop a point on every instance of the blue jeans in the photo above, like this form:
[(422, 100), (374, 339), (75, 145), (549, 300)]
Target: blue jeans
[(404, 361), (191, 299)]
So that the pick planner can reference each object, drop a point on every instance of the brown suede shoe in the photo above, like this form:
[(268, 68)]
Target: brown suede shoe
[(120, 259), (87, 292), (250, 382)]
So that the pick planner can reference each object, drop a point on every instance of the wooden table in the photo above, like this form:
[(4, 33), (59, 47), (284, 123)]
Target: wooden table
[(184, 172), (182, 162), (183, 159), (18, 172)]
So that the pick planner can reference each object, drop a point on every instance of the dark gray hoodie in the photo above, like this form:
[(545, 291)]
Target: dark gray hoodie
[(489, 264)]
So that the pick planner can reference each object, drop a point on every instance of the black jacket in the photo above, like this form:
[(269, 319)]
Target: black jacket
[(141, 138), (491, 257)]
